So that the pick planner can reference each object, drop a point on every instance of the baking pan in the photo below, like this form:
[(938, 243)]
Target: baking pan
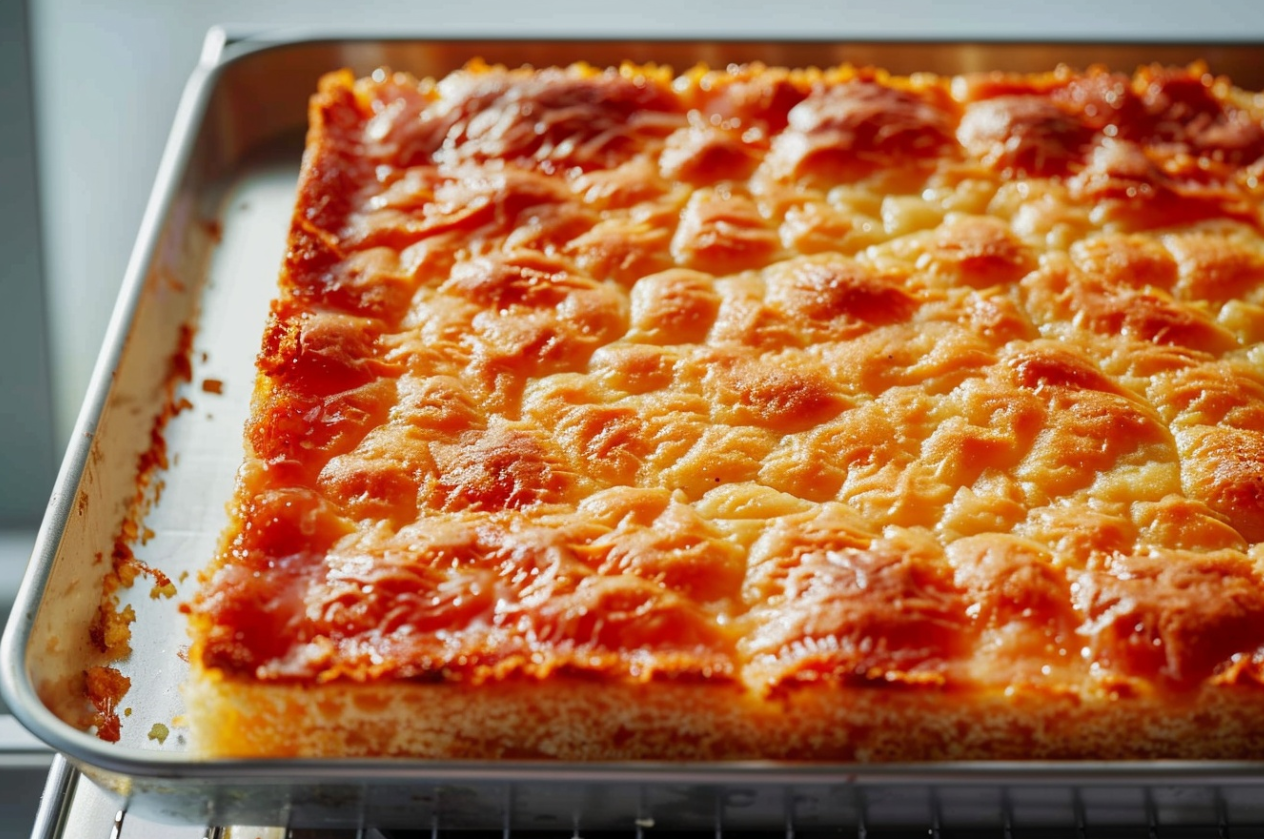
[(153, 458)]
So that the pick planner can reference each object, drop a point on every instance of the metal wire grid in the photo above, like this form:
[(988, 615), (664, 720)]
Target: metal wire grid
[(72, 809)]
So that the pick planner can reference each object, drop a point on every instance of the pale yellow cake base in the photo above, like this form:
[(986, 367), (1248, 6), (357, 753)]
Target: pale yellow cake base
[(572, 719)]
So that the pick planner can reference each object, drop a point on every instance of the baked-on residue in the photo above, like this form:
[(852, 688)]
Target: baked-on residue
[(755, 413)]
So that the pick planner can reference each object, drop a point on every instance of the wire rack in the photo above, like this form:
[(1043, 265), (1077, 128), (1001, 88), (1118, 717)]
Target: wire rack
[(73, 808)]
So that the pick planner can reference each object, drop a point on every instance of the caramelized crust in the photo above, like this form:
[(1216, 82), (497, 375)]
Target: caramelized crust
[(755, 413)]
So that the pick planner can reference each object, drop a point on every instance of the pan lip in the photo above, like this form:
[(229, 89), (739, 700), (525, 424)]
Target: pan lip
[(226, 45)]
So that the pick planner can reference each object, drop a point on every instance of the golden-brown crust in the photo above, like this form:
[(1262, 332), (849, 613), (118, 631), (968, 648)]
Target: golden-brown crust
[(784, 390)]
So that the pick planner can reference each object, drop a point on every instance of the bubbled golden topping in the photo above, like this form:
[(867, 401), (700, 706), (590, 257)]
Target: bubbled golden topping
[(761, 376)]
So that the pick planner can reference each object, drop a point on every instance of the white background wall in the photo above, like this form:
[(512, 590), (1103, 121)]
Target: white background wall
[(108, 74)]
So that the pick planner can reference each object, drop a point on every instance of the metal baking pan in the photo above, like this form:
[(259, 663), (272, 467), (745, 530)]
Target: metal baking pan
[(206, 259)]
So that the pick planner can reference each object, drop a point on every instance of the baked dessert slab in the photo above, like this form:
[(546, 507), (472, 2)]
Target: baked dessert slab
[(755, 413)]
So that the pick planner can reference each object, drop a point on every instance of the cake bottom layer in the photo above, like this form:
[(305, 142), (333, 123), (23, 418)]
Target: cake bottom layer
[(587, 720)]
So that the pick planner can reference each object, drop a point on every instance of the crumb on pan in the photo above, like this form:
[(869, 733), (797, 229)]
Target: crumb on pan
[(110, 630)]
